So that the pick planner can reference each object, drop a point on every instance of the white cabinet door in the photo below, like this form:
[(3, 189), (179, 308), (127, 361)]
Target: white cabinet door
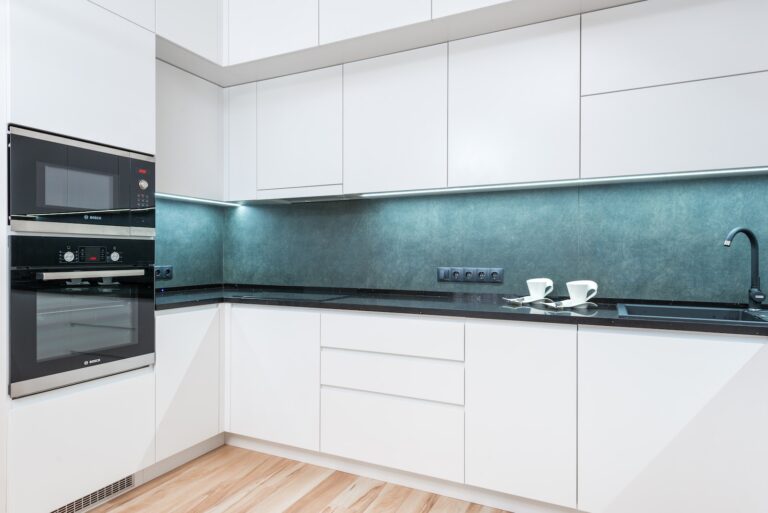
[(514, 105), (78, 70), (241, 141), (188, 142), (187, 376), (73, 441), (191, 25), (672, 422), (703, 125), (299, 130), (141, 12), (275, 375), (668, 41), (395, 121), (521, 409), (447, 7), (264, 28), (345, 19), (407, 434)]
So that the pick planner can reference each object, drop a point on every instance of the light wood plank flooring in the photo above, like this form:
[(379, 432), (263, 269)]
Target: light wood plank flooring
[(234, 480)]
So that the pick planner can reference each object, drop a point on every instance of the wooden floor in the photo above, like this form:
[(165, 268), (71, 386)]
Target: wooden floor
[(235, 480)]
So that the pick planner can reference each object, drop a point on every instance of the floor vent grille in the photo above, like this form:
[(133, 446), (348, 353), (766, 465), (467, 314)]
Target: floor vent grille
[(97, 496)]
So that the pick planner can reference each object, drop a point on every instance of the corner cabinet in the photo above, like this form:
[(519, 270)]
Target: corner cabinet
[(672, 421), (240, 141), (345, 19), (194, 25), (188, 370), (521, 409), (141, 12), (274, 376)]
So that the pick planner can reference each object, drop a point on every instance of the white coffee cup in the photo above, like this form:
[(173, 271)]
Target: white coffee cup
[(582, 291), (540, 287)]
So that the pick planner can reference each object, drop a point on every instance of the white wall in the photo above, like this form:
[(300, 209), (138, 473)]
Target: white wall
[(4, 400)]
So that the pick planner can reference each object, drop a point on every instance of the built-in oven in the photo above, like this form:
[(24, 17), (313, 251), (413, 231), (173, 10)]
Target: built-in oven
[(80, 309), (62, 185)]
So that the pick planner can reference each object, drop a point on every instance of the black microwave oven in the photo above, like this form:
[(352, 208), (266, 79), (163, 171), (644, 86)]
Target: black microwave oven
[(66, 186)]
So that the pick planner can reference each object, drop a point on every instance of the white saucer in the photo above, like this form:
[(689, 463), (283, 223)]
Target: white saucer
[(571, 303), (526, 300)]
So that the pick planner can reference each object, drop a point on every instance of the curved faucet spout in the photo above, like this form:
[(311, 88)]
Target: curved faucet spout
[(756, 296)]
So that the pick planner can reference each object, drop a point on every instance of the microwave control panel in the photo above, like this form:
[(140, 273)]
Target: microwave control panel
[(90, 255)]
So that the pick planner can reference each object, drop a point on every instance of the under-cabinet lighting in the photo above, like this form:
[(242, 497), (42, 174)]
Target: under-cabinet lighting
[(196, 200), (574, 182)]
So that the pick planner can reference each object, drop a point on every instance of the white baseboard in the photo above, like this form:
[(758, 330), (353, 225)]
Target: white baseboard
[(399, 477)]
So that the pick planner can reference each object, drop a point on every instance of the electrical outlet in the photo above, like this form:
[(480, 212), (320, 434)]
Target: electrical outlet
[(163, 272), (471, 274)]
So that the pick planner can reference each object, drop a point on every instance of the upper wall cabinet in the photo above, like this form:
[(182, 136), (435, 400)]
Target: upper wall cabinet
[(79, 70), (447, 7), (514, 105), (299, 133), (703, 125), (345, 19), (264, 28), (192, 25), (665, 41), (241, 141), (141, 12), (395, 121), (188, 144)]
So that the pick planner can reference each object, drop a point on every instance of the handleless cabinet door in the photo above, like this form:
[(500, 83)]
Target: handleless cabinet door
[(192, 25), (141, 12), (442, 8), (395, 121), (241, 141), (345, 19), (672, 422), (514, 105)]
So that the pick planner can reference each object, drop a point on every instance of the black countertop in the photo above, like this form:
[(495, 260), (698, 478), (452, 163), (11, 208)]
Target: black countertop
[(481, 306)]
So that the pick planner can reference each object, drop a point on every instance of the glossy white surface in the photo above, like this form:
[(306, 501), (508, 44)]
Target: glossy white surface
[(241, 141), (345, 19), (141, 12), (447, 7), (192, 25)]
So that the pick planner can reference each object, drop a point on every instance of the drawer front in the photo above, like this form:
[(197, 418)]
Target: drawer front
[(409, 335), (419, 378), (406, 434)]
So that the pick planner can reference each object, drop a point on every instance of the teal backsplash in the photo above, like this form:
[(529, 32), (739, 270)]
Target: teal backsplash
[(656, 240)]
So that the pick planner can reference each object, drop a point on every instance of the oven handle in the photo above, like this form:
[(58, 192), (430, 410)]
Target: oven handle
[(76, 275)]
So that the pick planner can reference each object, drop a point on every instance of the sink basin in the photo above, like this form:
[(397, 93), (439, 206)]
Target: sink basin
[(691, 313)]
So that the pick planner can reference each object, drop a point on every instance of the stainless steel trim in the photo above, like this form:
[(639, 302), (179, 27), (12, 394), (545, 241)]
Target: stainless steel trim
[(62, 379), (77, 275), (20, 225), (138, 231), (25, 132)]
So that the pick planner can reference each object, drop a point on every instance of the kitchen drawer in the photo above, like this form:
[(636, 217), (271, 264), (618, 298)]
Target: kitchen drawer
[(408, 335), (419, 378), (408, 434)]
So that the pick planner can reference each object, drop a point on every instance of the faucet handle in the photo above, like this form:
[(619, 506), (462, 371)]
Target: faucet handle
[(757, 296)]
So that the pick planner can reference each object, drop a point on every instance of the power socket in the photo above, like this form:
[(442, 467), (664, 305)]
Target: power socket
[(163, 272), (471, 274)]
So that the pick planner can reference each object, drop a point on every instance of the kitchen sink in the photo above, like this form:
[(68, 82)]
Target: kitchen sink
[(691, 313)]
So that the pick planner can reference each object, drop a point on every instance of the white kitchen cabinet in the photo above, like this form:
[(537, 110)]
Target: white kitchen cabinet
[(672, 421), (265, 28), (395, 121), (141, 12), (514, 105), (299, 130), (442, 8), (521, 409), (345, 19), (275, 375), (192, 25), (407, 434), (73, 441), (704, 125), (187, 378), (188, 142), (241, 141), (667, 41), (79, 70)]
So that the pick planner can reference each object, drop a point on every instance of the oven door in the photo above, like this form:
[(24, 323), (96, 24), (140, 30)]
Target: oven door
[(76, 325), (64, 186)]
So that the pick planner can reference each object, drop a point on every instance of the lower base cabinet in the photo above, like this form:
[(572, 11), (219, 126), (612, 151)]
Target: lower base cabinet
[(188, 378), (407, 434), (521, 409), (70, 442)]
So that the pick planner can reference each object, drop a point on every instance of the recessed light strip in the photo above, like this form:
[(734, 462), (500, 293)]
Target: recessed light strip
[(196, 200), (574, 182)]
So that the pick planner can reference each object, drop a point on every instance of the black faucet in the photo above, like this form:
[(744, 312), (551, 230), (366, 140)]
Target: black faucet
[(756, 296)]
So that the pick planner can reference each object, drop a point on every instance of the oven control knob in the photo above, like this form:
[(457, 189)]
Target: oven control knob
[(69, 256), (143, 184), (114, 256)]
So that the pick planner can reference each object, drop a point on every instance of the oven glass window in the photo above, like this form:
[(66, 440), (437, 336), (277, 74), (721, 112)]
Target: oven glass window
[(85, 320), (68, 187)]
